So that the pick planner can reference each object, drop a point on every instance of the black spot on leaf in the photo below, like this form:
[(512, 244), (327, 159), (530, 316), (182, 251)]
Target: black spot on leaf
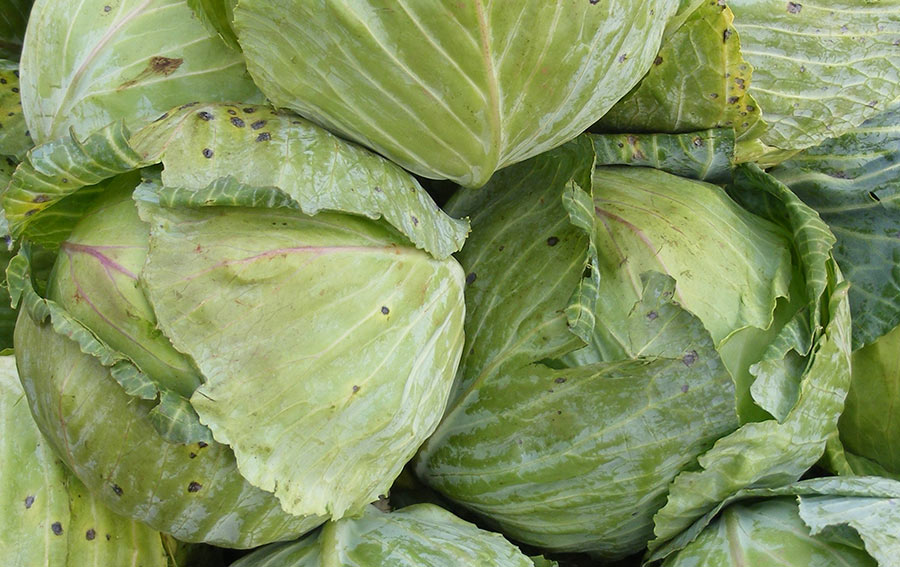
[(57, 528), (203, 115), (794, 7), (237, 122), (385, 310), (90, 534), (470, 278), (652, 316), (258, 124), (658, 60), (264, 137), (552, 241), (117, 489), (207, 153), (194, 486), (690, 358), (560, 380), (29, 501)]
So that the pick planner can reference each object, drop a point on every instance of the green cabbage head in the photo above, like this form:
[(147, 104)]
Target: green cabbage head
[(249, 340)]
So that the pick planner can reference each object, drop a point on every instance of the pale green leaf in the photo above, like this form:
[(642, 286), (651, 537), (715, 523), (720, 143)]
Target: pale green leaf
[(86, 64), (217, 16), (422, 535), (55, 171), (706, 155), (523, 264), (852, 182), (770, 533), (820, 68), (699, 80), (261, 148), (451, 90), (760, 522), (392, 325), (580, 458), (869, 426), (192, 491), (776, 452), (15, 139), (49, 518)]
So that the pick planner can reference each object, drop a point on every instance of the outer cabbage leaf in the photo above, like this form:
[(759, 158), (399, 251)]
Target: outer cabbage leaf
[(97, 282), (365, 356), (777, 452), (13, 20), (869, 426), (15, 139), (192, 491), (58, 181), (86, 64), (261, 148), (649, 220), (596, 445), (851, 181), (217, 15), (705, 155), (770, 532), (839, 521), (49, 518), (451, 90), (528, 441), (422, 535), (699, 80), (821, 68)]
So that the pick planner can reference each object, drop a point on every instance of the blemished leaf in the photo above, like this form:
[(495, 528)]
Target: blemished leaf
[(706, 155), (820, 68), (88, 437), (246, 265), (15, 139), (49, 517), (259, 147), (86, 64), (699, 80)]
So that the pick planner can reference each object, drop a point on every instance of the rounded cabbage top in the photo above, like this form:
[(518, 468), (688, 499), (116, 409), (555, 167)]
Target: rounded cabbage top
[(451, 90)]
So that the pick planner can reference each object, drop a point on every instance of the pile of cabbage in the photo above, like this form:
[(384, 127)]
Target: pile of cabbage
[(308, 283)]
